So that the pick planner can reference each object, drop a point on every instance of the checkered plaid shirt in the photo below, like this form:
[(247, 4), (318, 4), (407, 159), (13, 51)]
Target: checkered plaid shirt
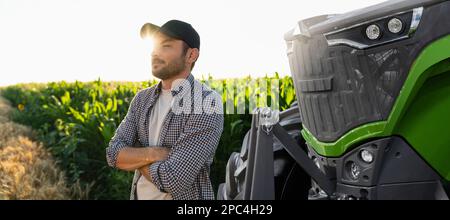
[(192, 138)]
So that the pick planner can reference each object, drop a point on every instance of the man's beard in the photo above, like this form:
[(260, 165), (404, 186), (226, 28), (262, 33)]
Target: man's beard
[(170, 70)]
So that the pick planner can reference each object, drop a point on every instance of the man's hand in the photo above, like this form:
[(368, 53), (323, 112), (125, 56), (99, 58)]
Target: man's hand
[(131, 158), (145, 173)]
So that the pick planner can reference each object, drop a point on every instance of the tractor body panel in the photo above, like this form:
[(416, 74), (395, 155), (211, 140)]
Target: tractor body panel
[(374, 113)]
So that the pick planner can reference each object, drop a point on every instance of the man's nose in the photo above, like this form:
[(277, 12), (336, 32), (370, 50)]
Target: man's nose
[(154, 53), (155, 50)]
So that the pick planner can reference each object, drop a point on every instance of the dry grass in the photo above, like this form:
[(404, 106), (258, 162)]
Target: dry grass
[(10, 130), (5, 109), (27, 170)]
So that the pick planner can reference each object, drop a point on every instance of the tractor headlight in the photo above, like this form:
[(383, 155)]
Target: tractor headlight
[(360, 165), (385, 29), (395, 25), (373, 32), (366, 156), (353, 170)]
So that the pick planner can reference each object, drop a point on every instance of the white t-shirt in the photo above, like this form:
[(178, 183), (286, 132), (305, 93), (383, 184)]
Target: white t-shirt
[(147, 190)]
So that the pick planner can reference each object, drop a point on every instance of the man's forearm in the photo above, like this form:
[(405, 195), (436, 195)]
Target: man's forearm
[(131, 158)]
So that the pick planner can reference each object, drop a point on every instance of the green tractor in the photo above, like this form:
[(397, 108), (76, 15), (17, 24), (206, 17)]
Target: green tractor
[(372, 117)]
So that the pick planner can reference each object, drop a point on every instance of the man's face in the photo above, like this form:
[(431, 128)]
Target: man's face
[(168, 59)]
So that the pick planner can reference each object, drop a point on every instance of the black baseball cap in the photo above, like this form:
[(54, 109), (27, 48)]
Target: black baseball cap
[(176, 29)]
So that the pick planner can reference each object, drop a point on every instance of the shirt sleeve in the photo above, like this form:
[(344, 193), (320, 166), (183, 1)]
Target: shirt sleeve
[(195, 146), (125, 135)]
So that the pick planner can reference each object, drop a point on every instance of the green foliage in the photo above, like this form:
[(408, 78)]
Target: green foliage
[(77, 120)]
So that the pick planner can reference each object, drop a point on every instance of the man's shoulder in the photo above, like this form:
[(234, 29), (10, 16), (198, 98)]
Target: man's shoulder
[(145, 92), (142, 96)]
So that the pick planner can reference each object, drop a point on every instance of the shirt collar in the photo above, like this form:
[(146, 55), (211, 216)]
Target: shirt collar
[(174, 91)]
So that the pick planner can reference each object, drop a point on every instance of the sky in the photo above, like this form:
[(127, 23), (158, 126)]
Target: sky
[(53, 40)]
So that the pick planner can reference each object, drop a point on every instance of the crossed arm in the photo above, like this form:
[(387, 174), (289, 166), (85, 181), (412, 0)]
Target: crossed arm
[(131, 158), (121, 155)]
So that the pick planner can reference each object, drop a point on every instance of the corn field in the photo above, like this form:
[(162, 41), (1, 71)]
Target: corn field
[(75, 122)]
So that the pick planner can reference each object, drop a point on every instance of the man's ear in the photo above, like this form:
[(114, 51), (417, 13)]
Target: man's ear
[(193, 55)]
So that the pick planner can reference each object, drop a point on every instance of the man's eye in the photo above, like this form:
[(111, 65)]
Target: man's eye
[(166, 45)]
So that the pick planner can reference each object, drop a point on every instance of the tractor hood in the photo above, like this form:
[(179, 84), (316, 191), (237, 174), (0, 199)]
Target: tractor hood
[(344, 78)]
